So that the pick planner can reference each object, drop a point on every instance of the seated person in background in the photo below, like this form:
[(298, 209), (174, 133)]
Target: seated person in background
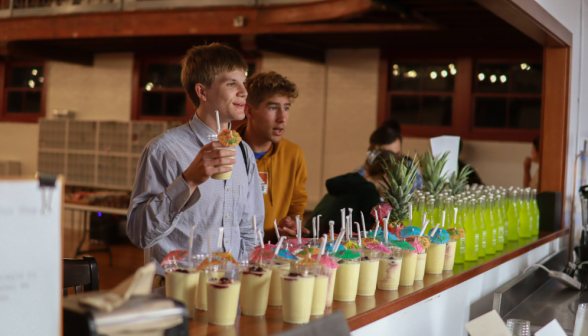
[(281, 163), (474, 177), (353, 191), (387, 138), (528, 181)]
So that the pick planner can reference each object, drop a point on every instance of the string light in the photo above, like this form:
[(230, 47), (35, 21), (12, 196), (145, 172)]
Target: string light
[(34, 72), (149, 86), (481, 76), (493, 78), (524, 66), (395, 66), (410, 74), (433, 75), (31, 84), (395, 72), (453, 71), (444, 73), (503, 78)]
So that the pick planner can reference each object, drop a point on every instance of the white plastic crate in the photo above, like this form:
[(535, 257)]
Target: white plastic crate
[(82, 135), (52, 133), (143, 132), (114, 137), (112, 170), (80, 168)]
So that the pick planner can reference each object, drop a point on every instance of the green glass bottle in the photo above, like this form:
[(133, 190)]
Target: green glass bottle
[(429, 213), (458, 219), (438, 209), (472, 235), (535, 212), (417, 212), (525, 215), (491, 226), (512, 218), (497, 211), (482, 228)]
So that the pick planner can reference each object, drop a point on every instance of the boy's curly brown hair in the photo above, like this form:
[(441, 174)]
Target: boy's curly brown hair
[(202, 64), (264, 85)]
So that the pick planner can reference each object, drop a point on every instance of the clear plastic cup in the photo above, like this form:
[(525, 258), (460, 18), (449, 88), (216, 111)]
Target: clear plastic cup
[(255, 286), (181, 283), (201, 296), (519, 327), (435, 258), (419, 274), (408, 270), (368, 272), (275, 291), (332, 274), (223, 295), (389, 269), (347, 280), (319, 294), (581, 325), (227, 175), (297, 293), (449, 260)]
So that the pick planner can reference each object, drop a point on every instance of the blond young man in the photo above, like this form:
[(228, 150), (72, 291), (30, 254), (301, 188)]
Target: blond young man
[(173, 189), (281, 163)]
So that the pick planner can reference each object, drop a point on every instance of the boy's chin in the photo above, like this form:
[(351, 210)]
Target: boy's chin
[(237, 116)]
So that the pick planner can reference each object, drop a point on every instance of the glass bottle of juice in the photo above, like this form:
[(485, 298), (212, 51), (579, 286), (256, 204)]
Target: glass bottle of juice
[(497, 211), (448, 208), (458, 219), (430, 211), (535, 211), (525, 215), (417, 212), (438, 209), (472, 234), (482, 228), (513, 219), (491, 226)]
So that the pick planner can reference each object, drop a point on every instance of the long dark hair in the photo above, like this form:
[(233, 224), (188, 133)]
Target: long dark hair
[(386, 134)]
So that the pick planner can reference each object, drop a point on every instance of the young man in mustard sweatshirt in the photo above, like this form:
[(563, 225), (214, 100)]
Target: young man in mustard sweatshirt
[(281, 163)]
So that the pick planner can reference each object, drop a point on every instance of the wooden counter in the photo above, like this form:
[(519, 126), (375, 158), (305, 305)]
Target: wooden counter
[(366, 310)]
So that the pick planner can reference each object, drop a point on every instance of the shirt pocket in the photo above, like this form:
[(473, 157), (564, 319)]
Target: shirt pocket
[(240, 199)]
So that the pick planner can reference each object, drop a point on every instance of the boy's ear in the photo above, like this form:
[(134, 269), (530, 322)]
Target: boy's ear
[(200, 91), (248, 110)]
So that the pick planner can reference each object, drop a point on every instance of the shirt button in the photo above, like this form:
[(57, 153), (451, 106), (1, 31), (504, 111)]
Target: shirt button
[(227, 215), (228, 189), (227, 241)]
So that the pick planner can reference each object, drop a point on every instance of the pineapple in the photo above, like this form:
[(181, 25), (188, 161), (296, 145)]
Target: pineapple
[(398, 182), (457, 181), (432, 167)]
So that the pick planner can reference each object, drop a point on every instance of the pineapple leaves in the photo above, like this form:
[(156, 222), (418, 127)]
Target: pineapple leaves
[(432, 167), (398, 183)]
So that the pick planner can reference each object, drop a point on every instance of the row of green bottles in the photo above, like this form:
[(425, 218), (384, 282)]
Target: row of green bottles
[(499, 217), (417, 212), (472, 233), (491, 227), (512, 218), (535, 212), (459, 219)]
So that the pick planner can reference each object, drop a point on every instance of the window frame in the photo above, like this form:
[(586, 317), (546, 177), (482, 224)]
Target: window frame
[(140, 64), (6, 116), (463, 112)]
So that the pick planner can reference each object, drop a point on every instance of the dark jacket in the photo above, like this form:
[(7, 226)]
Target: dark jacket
[(346, 191)]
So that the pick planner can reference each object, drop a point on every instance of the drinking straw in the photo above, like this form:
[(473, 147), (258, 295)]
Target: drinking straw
[(276, 227), (443, 219), (435, 230), (338, 242), (190, 244), (209, 248), (386, 231), (332, 229), (424, 218), (279, 246), (363, 224), (358, 233), (377, 228), (455, 217), (299, 229), (410, 211), (260, 238), (217, 122), (377, 219), (254, 223), (322, 250), (314, 227), (343, 222), (350, 223), (424, 227), (219, 243)]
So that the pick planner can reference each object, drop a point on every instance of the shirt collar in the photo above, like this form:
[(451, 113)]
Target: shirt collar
[(201, 129)]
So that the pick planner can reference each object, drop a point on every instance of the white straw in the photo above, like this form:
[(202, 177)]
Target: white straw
[(260, 238), (435, 230), (190, 244), (343, 222), (358, 233), (443, 219), (377, 219), (350, 223), (377, 228), (314, 227), (339, 239), (424, 227), (299, 229), (322, 250), (219, 243), (410, 211), (424, 218), (279, 246), (332, 229), (276, 227), (217, 122), (386, 231), (455, 217), (209, 248), (254, 224), (363, 224)]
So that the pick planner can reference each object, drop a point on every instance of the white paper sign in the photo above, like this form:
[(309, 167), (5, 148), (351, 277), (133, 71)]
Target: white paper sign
[(30, 247), (489, 324), (447, 143), (552, 328)]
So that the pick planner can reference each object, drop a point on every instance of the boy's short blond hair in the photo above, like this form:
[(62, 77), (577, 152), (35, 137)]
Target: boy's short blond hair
[(202, 64), (264, 85)]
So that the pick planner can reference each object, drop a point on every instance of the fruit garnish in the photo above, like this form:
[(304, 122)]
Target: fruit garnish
[(225, 281), (229, 138)]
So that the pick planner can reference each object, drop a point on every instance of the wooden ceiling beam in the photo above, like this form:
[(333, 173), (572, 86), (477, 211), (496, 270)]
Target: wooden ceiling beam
[(318, 11)]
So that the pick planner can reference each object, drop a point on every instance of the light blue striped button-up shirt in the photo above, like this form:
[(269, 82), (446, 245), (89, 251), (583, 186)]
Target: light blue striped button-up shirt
[(162, 211)]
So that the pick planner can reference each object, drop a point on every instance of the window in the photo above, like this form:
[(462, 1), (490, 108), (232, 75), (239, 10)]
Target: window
[(158, 93), (23, 92), (469, 96)]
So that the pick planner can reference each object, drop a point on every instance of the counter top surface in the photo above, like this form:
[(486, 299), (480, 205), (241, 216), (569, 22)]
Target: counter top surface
[(366, 310)]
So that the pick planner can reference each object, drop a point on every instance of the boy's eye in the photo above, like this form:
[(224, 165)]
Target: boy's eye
[(231, 84)]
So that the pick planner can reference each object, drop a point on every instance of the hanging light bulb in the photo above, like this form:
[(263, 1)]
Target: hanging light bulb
[(444, 73), (481, 76), (453, 71), (433, 74), (149, 86), (395, 66), (502, 78), (524, 66), (493, 78)]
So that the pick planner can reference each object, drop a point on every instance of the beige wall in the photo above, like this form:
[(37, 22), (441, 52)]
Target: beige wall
[(99, 92), (18, 142)]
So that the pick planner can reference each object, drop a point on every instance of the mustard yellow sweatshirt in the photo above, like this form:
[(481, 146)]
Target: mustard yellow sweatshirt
[(282, 175)]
